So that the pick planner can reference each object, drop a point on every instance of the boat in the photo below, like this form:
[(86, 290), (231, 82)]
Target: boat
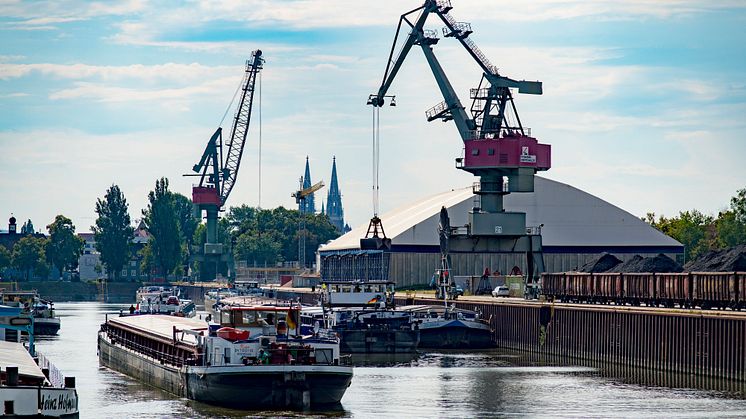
[(46, 323), (213, 297), (362, 313), (163, 300), (30, 385), (448, 327), (253, 358)]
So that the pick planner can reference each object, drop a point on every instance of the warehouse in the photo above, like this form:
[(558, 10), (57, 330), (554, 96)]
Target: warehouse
[(575, 227)]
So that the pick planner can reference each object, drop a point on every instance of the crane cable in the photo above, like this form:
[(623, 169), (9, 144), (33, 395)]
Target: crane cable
[(259, 203), (376, 157), (230, 105)]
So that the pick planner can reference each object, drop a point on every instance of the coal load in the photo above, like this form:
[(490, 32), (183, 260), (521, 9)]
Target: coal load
[(726, 260), (603, 263), (655, 264)]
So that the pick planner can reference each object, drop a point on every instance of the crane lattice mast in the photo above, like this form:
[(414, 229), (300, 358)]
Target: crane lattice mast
[(218, 167)]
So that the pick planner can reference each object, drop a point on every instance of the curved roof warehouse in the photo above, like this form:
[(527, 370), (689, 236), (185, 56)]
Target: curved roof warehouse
[(577, 226)]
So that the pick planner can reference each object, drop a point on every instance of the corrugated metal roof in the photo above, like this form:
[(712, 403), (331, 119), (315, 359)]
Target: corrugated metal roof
[(570, 216)]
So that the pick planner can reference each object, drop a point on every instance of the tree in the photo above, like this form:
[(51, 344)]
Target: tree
[(113, 231), (28, 256), (730, 232), (4, 259), (63, 247), (166, 240), (738, 205), (187, 222)]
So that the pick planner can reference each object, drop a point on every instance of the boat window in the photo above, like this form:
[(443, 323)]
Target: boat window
[(225, 317), (249, 317), (368, 288)]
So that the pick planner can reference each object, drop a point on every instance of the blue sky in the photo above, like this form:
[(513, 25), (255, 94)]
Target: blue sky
[(644, 101)]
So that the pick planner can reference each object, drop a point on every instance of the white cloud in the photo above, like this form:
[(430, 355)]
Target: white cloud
[(150, 73)]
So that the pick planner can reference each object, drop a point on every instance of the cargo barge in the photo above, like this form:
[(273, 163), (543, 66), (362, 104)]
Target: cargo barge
[(241, 363)]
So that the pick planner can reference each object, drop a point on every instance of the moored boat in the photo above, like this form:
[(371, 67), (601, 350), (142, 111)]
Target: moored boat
[(253, 359), (46, 323), (362, 313), (450, 327), (30, 386)]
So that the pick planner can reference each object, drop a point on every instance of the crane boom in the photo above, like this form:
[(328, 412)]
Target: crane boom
[(240, 125)]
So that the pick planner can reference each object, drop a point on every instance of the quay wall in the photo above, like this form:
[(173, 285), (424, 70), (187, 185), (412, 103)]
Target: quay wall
[(703, 343), (57, 291), (147, 370)]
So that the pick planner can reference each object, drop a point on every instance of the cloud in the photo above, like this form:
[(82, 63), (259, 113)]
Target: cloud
[(44, 15), (158, 72)]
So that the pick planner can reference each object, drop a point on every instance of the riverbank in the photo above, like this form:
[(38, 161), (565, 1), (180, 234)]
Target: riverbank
[(115, 292)]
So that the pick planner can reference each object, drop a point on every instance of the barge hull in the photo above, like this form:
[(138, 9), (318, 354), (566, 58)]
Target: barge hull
[(235, 386), (454, 337), (379, 341)]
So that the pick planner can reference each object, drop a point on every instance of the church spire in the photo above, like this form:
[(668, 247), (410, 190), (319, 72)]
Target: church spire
[(307, 206), (334, 201)]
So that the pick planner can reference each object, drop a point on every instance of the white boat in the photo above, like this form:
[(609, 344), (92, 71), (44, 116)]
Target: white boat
[(45, 321), (448, 327), (31, 386), (162, 300)]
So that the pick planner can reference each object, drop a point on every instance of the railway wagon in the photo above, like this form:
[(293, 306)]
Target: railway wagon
[(639, 288), (579, 287), (673, 289), (553, 286), (607, 288), (715, 289)]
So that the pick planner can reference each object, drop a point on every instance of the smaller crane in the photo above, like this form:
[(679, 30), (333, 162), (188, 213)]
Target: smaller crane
[(300, 196)]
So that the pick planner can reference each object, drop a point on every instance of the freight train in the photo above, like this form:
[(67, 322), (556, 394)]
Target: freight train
[(686, 290)]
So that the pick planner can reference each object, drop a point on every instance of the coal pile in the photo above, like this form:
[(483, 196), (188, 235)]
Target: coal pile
[(655, 264), (603, 263), (727, 260)]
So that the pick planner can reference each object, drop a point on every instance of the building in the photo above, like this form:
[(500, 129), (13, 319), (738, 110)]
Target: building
[(8, 240), (576, 227), (90, 261), (308, 205), (334, 210)]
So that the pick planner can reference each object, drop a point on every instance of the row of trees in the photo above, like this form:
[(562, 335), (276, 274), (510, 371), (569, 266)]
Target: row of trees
[(262, 237), (33, 255), (700, 233)]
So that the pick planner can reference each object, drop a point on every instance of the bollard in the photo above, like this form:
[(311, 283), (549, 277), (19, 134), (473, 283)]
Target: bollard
[(12, 376), (69, 382)]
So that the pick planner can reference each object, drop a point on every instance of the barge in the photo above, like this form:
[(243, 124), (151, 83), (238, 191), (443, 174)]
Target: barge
[(244, 362), (362, 313), (448, 327)]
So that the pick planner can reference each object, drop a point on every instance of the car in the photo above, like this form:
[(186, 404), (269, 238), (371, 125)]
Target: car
[(501, 291)]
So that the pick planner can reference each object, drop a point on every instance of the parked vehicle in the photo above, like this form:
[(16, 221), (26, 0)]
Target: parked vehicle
[(501, 291)]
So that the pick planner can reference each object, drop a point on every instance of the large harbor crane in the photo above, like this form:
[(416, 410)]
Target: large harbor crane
[(497, 147), (218, 167)]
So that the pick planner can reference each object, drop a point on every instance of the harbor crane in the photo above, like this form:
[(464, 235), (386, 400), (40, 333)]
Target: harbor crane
[(498, 148), (300, 197), (218, 167)]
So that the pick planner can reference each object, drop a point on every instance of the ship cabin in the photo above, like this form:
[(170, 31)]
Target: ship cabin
[(264, 320), (378, 294)]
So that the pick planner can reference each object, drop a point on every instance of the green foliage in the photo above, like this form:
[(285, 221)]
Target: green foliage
[(28, 256), (167, 242), (113, 232), (187, 221), (271, 235), (4, 258), (700, 233), (63, 247)]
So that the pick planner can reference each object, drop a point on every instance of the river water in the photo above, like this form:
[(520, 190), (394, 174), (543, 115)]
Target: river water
[(434, 385)]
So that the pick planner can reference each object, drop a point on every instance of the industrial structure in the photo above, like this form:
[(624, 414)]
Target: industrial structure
[(301, 196), (575, 225), (497, 147), (218, 170)]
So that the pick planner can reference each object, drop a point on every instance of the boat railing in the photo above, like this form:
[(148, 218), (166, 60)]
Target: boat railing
[(147, 348)]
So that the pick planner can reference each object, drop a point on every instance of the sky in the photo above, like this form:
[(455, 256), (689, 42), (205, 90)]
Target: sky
[(644, 102)]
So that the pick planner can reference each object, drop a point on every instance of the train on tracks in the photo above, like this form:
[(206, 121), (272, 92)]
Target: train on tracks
[(705, 290)]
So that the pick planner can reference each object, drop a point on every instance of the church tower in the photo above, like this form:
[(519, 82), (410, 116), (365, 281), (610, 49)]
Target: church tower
[(334, 201), (307, 206)]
